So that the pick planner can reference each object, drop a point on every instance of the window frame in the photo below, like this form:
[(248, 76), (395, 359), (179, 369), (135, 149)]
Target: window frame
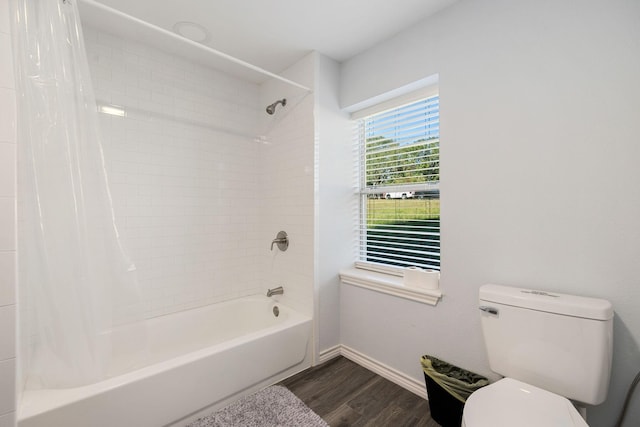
[(380, 277), (364, 190)]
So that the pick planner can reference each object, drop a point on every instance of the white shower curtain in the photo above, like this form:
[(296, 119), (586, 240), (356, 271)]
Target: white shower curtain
[(75, 280)]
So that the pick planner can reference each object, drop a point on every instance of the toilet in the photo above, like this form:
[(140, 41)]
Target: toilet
[(554, 351)]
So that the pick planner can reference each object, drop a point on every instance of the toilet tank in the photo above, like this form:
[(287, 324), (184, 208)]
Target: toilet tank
[(561, 343)]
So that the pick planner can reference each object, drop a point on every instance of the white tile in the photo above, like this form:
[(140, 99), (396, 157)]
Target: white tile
[(7, 169), (7, 386), (6, 62), (7, 224), (7, 332), (5, 27), (7, 115), (180, 190), (7, 278), (8, 420)]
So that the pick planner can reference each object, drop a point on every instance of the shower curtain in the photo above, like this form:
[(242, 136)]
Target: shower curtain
[(76, 281)]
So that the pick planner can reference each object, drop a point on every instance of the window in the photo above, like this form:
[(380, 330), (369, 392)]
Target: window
[(399, 191)]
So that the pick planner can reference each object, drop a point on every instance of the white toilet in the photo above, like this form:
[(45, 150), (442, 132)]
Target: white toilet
[(550, 348)]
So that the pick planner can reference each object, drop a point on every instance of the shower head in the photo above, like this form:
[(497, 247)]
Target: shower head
[(272, 108)]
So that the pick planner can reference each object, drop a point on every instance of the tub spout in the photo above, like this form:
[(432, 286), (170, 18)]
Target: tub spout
[(275, 291)]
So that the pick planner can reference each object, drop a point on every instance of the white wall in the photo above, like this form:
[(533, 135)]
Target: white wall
[(539, 121), (336, 207), (286, 182), (309, 189), (185, 194), (203, 179), (7, 225)]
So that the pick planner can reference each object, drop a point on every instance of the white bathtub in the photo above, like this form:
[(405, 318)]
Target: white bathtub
[(197, 359)]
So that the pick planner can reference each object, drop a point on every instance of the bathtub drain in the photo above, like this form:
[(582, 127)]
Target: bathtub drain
[(276, 311)]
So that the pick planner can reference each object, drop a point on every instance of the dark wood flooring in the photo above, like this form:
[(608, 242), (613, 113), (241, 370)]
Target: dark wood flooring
[(344, 393)]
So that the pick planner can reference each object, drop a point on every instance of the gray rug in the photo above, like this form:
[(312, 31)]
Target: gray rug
[(274, 406)]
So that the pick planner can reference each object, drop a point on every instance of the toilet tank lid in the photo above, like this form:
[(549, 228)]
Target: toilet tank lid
[(551, 302)]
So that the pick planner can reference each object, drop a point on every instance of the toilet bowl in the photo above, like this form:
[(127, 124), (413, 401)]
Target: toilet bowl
[(511, 403)]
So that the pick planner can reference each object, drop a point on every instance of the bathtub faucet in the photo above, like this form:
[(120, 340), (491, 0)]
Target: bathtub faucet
[(282, 240), (275, 291)]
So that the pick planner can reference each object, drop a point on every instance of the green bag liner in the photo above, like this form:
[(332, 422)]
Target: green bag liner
[(459, 382)]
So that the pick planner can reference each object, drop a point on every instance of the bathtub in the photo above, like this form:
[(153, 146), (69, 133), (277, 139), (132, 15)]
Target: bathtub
[(197, 360)]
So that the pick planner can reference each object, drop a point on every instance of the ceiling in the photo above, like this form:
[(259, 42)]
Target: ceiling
[(274, 34)]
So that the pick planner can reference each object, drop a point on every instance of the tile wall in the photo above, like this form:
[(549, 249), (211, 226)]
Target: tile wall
[(7, 226), (182, 166), (287, 185), (197, 197)]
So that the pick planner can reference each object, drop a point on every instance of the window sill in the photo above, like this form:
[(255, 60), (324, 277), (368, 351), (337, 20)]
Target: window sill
[(388, 284)]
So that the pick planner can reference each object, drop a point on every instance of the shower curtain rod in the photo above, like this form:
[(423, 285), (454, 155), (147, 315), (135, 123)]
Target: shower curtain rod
[(175, 37)]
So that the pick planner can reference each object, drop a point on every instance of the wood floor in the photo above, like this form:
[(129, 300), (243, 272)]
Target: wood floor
[(344, 393)]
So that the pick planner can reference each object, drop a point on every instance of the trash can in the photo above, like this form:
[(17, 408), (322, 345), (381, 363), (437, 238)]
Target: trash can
[(448, 387)]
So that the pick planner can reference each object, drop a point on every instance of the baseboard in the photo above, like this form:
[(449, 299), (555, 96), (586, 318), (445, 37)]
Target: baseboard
[(328, 354), (393, 375)]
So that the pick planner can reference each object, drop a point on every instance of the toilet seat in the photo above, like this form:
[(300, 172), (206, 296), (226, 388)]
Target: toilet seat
[(509, 402)]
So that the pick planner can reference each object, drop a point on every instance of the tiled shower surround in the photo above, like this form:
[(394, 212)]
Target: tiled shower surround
[(195, 193), (7, 226)]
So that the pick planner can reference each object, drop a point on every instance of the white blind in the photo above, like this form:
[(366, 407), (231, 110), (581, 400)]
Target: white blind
[(400, 177)]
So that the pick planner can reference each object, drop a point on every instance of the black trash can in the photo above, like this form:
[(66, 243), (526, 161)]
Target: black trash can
[(448, 387)]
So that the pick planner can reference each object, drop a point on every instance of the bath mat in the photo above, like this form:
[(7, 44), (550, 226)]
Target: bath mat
[(274, 406)]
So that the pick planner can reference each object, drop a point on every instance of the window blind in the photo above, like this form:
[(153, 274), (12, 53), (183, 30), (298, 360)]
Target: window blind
[(400, 177)]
